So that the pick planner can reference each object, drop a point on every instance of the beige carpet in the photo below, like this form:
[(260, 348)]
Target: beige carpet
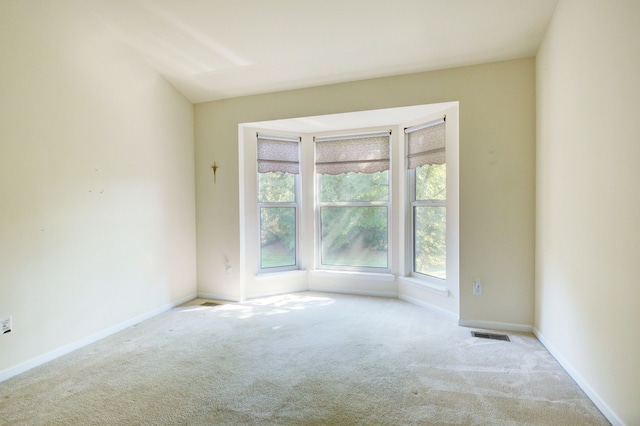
[(305, 358)]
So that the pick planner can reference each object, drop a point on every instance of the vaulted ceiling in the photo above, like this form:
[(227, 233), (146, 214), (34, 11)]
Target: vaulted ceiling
[(212, 49)]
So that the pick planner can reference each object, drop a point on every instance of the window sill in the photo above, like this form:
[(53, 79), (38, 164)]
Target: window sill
[(437, 288), (280, 274), (375, 276)]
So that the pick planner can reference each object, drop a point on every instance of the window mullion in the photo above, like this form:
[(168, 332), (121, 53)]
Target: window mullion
[(354, 203), (435, 203), (288, 204)]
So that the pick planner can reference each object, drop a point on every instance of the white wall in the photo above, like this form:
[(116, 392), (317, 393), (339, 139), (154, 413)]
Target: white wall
[(588, 199), (97, 224), (497, 146)]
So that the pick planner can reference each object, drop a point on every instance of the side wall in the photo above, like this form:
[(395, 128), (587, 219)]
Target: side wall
[(97, 227), (588, 199), (497, 148)]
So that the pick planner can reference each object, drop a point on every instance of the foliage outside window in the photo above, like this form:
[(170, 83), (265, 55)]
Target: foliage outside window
[(277, 200), (429, 221), (354, 219)]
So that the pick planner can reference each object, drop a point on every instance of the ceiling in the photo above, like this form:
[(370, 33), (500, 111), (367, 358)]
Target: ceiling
[(216, 49)]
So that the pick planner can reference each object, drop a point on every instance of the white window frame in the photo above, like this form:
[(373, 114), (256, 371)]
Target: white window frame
[(296, 205), (413, 203), (388, 204), (432, 284)]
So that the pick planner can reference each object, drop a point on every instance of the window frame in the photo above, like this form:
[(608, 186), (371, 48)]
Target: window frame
[(388, 204), (296, 204), (413, 203)]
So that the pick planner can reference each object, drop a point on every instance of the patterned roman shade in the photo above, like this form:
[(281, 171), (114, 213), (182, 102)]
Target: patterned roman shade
[(367, 153), (426, 144), (278, 154)]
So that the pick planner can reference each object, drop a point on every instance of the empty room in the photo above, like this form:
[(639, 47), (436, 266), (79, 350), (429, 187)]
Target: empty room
[(319, 212)]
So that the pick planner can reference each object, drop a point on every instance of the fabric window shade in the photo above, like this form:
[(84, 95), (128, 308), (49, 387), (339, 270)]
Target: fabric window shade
[(358, 154), (426, 144), (278, 154)]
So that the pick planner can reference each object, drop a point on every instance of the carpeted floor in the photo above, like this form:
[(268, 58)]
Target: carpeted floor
[(304, 359)]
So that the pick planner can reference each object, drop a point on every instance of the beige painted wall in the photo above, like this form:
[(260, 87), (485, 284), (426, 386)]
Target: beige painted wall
[(497, 137), (97, 224), (588, 199)]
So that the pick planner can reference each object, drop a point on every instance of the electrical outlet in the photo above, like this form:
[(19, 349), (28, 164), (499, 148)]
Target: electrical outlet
[(477, 288), (5, 325)]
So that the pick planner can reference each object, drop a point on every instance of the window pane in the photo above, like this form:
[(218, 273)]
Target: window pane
[(354, 236), (277, 236), (354, 187), (276, 187), (429, 241), (431, 182)]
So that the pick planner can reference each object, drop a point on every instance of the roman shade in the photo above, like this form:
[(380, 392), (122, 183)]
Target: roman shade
[(278, 154), (426, 144), (366, 153)]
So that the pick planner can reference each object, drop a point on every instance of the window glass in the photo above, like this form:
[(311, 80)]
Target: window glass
[(347, 187), (429, 240), (276, 187), (277, 237), (354, 236), (431, 182)]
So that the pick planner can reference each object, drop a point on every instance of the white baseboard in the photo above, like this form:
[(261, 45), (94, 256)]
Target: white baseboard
[(584, 385), (63, 350), (217, 296), (275, 293), (439, 289), (389, 294), (435, 309), (494, 325)]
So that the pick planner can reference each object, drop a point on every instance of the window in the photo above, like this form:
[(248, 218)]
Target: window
[(428, 177), (278, 182), (353, 201), (351, 227)]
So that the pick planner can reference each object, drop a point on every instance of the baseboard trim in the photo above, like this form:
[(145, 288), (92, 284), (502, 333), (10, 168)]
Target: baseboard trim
[(584, 385), (440, 290), (389, 294), (217, 296), (274, 293), (68, 348), (495, 325), (435, 309)]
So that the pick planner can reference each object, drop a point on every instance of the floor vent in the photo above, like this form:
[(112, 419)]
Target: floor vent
[(491, 336), (211, 304)]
